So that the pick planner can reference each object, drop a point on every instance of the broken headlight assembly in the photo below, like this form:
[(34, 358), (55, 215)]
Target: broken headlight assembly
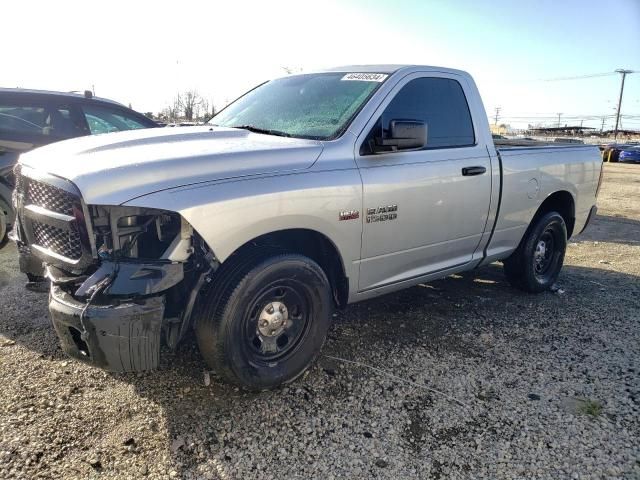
[(140, 252), (134, 233), (143, 285)]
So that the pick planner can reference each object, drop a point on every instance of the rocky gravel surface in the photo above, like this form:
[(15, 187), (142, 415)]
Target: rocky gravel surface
[(462, 378)]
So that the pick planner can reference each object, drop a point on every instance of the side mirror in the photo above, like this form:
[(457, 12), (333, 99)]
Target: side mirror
[(404, 135)]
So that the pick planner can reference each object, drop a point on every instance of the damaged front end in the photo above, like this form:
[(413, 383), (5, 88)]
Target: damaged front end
[(122, 278), (143, 285)]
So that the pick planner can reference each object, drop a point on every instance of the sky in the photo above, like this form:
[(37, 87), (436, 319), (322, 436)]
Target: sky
[(143, 53)]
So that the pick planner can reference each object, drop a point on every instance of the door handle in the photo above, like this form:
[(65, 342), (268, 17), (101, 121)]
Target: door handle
[(469, 171)]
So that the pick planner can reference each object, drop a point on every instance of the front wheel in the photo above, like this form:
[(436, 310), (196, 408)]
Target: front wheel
[(265, 323), (536, 263), (4, 230)]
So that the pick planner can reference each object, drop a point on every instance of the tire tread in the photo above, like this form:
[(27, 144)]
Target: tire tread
[(231, 280), (515, 267)]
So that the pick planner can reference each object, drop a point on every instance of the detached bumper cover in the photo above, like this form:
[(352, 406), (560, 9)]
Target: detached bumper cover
[(121, 337)]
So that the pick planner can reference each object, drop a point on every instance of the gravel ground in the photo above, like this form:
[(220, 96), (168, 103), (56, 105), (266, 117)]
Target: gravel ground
[(489, 383)]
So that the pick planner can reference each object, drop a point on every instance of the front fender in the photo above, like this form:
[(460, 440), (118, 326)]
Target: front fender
[(229, 214)]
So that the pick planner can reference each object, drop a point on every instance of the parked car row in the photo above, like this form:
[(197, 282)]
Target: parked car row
[(631, 154), (33, 118), (621, 152)]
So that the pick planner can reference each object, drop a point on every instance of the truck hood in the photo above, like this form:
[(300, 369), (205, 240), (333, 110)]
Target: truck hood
[(113, 168)]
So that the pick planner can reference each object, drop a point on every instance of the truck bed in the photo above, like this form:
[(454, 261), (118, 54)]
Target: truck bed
[(520, 142), (530, 172)]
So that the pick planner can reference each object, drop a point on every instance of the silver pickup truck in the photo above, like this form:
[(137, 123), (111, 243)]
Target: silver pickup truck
[(308, 193)]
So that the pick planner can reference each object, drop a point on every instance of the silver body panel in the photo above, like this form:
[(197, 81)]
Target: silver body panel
[(435, 230), (233, 186), (112, 168), (530, 175)]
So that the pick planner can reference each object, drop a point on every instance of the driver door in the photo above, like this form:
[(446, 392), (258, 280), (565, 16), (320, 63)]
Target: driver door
[(425, 210)]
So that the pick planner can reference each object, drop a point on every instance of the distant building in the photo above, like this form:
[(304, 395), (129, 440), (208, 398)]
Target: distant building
[(501, 129), (571, 131)]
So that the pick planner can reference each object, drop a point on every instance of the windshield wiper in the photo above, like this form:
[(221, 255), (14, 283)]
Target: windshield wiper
[(267, 131)]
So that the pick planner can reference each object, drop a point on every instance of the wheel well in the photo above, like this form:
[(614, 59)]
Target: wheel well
[(563, 203), (5, 200), (309, 243)]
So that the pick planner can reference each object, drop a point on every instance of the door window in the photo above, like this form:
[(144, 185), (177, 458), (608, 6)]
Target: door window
[(438, 102), (105, 120), (47, 121)]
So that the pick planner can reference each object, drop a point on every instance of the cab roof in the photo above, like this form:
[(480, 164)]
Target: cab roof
[(392, 68), (52, 93)]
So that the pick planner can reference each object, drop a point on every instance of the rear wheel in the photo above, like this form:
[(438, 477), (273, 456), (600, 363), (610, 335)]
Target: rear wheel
[(536, 263), (267, 322)]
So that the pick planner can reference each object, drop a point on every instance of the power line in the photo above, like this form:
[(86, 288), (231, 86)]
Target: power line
[(575, 115), (575, 120), (566, 117), (578, 77)]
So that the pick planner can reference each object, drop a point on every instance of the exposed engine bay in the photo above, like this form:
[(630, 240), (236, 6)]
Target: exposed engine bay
[(122, 278)]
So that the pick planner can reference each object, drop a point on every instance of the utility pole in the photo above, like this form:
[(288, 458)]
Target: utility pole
[(559, 115), (602, 126), (496, 117), (624, 73)]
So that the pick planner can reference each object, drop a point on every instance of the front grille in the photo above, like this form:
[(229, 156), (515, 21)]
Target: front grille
[(63, 242), (59, 240), (52, 198)]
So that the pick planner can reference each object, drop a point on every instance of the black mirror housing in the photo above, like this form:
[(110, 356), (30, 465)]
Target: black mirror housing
[(404, 135)]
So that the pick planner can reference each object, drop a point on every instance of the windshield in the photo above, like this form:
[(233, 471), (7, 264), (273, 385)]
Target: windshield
[(318, 105)]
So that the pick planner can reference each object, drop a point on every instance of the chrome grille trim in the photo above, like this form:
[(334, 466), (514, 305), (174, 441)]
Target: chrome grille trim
[(52, 198), (65, 243), (51, 215)]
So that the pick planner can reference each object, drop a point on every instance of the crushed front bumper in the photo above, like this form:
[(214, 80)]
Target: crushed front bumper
[(122, 337)]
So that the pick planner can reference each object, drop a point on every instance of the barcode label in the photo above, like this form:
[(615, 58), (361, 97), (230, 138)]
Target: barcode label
[(366, 77)]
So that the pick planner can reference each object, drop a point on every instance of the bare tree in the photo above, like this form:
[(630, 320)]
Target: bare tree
[(208, 109), (205, 109), (190, 102), (189, 106), (171, 113)]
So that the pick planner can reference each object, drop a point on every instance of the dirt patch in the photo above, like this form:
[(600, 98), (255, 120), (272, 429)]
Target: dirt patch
[(512, 360)]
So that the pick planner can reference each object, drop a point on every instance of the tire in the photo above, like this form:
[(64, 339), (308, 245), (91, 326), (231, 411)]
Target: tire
[(35, 278), (536, 263), (265, 321), (4, 230)]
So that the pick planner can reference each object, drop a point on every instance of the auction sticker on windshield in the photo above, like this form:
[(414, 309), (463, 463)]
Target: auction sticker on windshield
[(366, 77)]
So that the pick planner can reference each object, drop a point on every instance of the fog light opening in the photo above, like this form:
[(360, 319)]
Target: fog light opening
[(82, 346)]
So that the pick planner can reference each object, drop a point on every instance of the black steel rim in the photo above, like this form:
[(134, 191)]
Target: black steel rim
[(265, 346), (544, 254)]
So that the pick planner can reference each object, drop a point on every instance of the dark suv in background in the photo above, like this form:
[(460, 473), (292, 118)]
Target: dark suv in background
[(32, 118)]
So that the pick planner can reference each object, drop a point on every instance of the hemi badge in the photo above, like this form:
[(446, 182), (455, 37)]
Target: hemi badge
[(349, 215)]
